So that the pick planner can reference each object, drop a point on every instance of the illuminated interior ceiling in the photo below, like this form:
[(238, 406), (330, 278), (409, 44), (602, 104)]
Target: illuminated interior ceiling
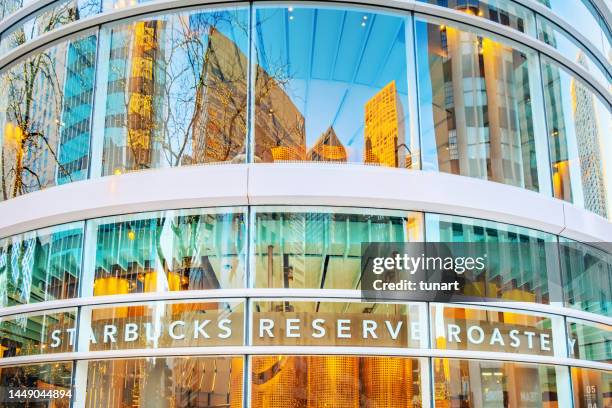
[(332, 66)]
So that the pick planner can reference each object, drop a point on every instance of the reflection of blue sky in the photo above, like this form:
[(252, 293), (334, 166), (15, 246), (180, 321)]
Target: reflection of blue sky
[(579, 15), (335, 61)]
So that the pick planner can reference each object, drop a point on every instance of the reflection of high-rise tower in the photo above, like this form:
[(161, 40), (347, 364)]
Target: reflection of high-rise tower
[(220, 110), (220, 107), (132, 84), (589, 151), (280, 130), (140, 83), (327, 148), (384, 129), (76, 110), (478, 131)]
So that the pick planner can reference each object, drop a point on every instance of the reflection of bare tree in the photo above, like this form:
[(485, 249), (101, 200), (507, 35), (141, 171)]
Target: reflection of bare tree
[(57, 15), (26, 137), (33, 103), (184, 91)]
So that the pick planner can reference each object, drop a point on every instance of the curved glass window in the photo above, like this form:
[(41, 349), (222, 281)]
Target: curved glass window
[(168, 382), (8, 7), (41, 265), (143, 325), (474, 383), (496, 330), (331, 85), (480, 109), (336, 381), (589, 341), (45, 113), (174, 89), (530, 276), (48, 19), (578, 127), (592, 388), (558, 38), (504, 12), (321, 248), (587, 277), (338, 323), (38, 333), (166, 251), (582, 15)]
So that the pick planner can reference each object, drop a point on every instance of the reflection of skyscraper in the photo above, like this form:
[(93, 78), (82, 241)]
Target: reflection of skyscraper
[(477, 126), (589, 152), (132, 83), (220, 110), (280, 130), (327, 148), (384, 129), (76, 110), (140, 109), (220, 105)]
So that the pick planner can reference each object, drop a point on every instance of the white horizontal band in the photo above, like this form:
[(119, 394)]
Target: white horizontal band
[(304, 350), (342, 185), (68, 30), (257, 293)]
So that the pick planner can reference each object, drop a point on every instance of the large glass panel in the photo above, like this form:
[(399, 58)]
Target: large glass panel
[(41, 265), (592, 388), (48, 19), (43, 377), (338, 323), (587, 277), (493, 384), (38, 333), (496, 330), (8, 7), (167, 251), (527, 272), (317, 247), (589, 341), (558, 38), (160, 324), (336, 381), (480, 107), (45, 109), (579, 126), (505, 12), (331, 85), (171, 382), (581, 15), (176, 91)]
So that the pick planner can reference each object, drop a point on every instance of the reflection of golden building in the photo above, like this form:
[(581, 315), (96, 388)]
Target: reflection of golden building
[(280, 130), (327, 148), (384, 129), (220, 110), (221, 100), (140, 109)]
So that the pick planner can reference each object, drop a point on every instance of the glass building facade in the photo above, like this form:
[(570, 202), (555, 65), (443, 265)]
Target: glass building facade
[(218, 304)]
